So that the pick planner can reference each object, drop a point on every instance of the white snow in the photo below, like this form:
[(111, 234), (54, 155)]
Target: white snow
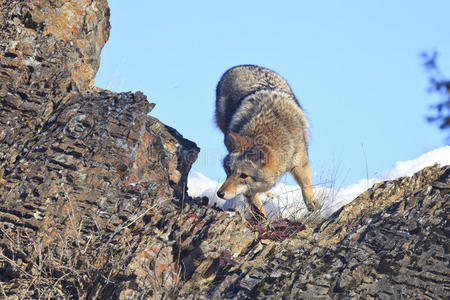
[(285, 200), (199, 185)]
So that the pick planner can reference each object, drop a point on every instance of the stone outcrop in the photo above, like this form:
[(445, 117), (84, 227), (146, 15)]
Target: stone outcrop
[(389, 243), (81, 169), (94, 205)]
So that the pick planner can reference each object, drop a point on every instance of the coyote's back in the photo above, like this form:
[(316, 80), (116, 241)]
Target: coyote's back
[(239, 82)]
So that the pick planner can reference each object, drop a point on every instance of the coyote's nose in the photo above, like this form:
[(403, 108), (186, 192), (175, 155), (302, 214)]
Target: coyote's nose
[(220, 194)]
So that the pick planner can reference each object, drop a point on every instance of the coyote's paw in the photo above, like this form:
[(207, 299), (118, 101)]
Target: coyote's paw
[(312, 204)]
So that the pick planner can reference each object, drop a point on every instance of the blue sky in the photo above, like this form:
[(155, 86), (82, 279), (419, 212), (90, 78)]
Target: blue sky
[(353, 65)]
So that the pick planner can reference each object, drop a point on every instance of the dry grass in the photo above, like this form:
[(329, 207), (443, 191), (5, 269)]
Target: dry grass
[(81, 262)]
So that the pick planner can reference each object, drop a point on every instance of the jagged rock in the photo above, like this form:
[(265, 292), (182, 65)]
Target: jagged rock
[(390, 243), (82, 170), (94, 205)]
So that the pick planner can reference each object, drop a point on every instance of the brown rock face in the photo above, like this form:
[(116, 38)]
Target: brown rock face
[(47, 50), (51, 44), (93, 195), (389, 243), (82, 170)]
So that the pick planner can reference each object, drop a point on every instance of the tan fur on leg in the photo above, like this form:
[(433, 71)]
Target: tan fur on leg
[(302, 174), (257, 207)]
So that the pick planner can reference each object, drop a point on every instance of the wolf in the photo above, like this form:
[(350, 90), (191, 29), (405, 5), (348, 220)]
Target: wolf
[(265, 132)]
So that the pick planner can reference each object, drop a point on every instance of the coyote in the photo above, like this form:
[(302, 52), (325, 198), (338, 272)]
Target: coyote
[(265, 133)]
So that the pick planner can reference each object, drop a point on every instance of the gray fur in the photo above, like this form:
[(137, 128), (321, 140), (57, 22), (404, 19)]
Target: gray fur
[(241, 81), (258, 105)]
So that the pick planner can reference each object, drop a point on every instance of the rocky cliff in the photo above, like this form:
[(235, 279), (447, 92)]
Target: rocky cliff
[(94, 205)]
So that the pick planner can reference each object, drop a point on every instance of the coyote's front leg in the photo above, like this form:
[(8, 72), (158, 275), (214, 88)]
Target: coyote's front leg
[(302, 174), (256, 206)]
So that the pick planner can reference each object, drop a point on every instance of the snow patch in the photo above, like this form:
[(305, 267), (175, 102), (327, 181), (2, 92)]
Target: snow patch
[(286, 200)]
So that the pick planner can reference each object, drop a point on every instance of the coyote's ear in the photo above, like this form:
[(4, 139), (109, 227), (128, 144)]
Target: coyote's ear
[(262, 156), (237, 141)]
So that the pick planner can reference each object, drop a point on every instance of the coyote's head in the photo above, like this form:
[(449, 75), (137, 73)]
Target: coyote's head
[(247, 167)]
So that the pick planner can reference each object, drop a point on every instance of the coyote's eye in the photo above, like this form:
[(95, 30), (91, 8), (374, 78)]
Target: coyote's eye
[(243, 176)]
